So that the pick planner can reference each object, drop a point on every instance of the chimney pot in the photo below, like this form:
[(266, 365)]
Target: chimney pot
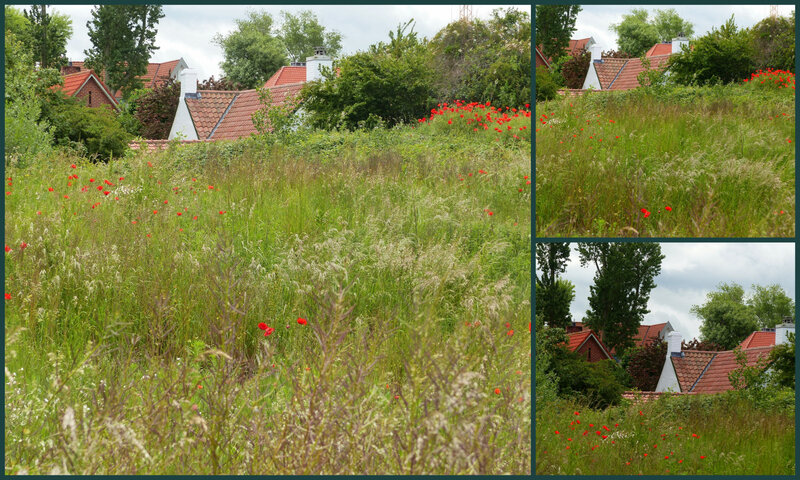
[(188, 82), (674, 340), (782, 332), (596, 51)]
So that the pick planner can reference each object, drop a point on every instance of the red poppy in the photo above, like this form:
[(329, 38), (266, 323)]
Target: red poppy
[(668, 208), (91, 179), (268, 331), (73, 166), (23, 245), (222, 212), (106, 192), (702, 457), (497, 392), (302, 321), (8, 296), (50, 189), (262, 326), (8, 249)]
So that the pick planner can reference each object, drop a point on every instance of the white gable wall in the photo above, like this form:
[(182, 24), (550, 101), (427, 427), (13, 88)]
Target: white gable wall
[(592, 81), (668, 382), (183, 126)]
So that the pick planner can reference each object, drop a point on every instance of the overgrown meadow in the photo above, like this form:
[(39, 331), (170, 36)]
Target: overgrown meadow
[(723, 434), (323, 302), (671, 161)]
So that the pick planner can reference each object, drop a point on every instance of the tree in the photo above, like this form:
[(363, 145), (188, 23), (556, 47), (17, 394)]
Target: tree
[(253, 52), (155, 109), (723, 55), (669, 24), (48, 35), (123, 38), (773, 43), (596, 384), (782, 361), (575, 69), (555, 24), (553, 295), (644, 364), (770, 305), (623, 280), (301, 33), (390, 83), (17, 24), (635, 34), (484, 61), (727, 320), (222, 84)]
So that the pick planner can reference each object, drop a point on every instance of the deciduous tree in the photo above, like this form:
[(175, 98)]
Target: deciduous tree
[(770, 305), (123, 38), (254, 51), (302, 32), (555, 24), (624, 277), (553, 294), (727, 319), (48, 36)]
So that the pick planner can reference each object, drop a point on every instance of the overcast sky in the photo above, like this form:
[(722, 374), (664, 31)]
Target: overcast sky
[(689, 271), (186, 30), (595, 20)]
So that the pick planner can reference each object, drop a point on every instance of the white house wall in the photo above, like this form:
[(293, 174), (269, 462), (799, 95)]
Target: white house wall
[(182, 125), (668, 381), (591, 79)]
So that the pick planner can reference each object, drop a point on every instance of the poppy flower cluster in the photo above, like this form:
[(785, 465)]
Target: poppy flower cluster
[(772, 78), (480, 117)]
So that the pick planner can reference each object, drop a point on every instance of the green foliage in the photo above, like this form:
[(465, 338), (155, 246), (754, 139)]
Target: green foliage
[(25, 136), (773, 43), (93, 132), (747, 376), (547, 342), (669, 25), (623, 280), (391, 81), (771, 305), (727, 320), (155, 108), (48, 36), (123, 39), (596, 384), (484, 61), (574, 70), (644, 364), (555, 25), (276, 119), (546, 88), (781, 360), (16, 23), (723, 55), (553, 295), (302, 32), (635, 33), (253, 52)]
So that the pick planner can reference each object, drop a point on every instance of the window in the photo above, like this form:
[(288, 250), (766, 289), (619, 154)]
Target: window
[(90, 98), (589, 355)]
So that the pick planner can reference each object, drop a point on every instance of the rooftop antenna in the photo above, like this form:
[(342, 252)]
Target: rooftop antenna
[(465, 13)]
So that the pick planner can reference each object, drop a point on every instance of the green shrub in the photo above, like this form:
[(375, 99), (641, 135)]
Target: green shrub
[(596, 384), (546, 87), (94, 132)]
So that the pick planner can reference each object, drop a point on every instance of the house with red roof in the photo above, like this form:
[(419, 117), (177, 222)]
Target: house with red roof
[(88, 87), (157, 73), (572, 49), (540, 60), (644, 335), (623, 73), (226, 115), (694, 371), (587, 344)]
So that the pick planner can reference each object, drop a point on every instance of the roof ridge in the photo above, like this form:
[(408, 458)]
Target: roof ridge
[(618, 73), (230, 104), (703, 372)]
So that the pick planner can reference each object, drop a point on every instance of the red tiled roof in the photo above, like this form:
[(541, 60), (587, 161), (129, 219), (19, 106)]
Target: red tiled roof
[(758, 339), (157, 73), (74, 81), (627, 78), (575, 45), (287, 75), (715, 379), (689, 367), (608, 69), (220, 115), (648, 333), (659, 49), (540, 58), (207, 110), (575, 340)]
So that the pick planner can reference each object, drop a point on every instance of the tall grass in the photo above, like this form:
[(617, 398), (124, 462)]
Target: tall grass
[(132, 338), (723, 434), (721, 158)]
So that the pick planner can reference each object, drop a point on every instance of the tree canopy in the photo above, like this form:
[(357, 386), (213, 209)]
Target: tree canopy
[(623, 280), (553, 294), (47, 36), (555, 25), (302, 32), (727, 319), (123, 39), (773, 43), (770, 305), (637, 31)]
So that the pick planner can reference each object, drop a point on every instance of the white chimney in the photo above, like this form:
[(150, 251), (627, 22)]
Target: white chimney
[(678, 43), (782, 332), (596, 52), (314, 63), (188, 82), (674, 340)]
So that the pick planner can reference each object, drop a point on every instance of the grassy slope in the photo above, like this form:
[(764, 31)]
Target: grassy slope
[(734, 438), (720, 157), (114, 308)]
